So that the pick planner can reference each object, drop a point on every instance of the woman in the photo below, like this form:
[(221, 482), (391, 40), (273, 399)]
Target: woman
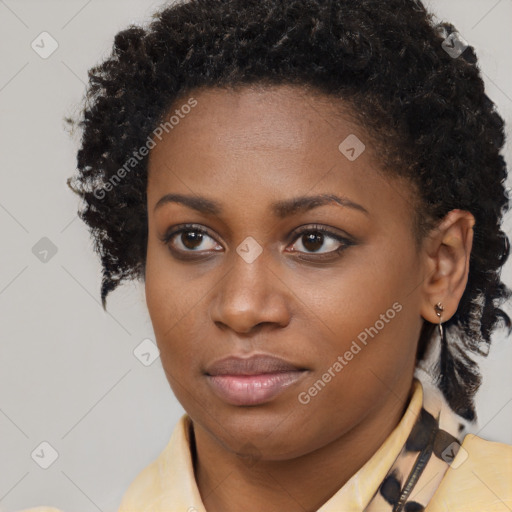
[(312, 192)]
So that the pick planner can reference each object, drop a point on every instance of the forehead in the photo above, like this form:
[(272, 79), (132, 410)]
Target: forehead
[(279, 141), (281, 121), (256, 117)]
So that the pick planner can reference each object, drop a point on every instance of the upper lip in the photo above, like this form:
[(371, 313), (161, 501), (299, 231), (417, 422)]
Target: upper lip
[(254, 365)]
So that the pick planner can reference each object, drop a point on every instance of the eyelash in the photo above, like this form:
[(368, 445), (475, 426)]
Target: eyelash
[(166, 239)]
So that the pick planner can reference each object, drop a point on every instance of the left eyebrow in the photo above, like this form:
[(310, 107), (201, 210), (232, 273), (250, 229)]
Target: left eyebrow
[(296, 205), (280, 209)]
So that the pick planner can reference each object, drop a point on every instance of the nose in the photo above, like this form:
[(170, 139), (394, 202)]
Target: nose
[(251, 295)]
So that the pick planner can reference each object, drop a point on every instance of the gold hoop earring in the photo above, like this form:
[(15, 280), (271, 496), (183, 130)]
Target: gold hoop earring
[(439, 309)]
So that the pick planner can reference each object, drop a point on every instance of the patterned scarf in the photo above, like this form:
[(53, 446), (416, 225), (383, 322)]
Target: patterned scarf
[(429, 450)]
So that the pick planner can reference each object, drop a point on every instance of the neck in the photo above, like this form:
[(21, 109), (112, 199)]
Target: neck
[(302, 484)]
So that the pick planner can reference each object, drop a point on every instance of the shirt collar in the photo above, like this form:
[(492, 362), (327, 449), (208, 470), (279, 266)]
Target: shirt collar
[(168, 483)]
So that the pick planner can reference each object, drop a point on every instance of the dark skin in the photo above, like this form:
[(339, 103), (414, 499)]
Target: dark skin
[(246, 150)]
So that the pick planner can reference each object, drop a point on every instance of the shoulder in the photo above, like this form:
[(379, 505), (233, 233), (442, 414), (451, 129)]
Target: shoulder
[(167, 477), (146, 486), (479, 478), (483, 450)]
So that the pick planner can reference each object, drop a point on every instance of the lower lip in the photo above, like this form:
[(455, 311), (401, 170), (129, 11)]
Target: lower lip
[(252, 389)]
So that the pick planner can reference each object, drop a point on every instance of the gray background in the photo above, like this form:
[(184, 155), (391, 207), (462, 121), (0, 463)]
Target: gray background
[(68, 374)]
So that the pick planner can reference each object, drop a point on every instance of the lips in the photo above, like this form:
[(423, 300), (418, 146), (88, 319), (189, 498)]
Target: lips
[(254, 365), (252, 381)]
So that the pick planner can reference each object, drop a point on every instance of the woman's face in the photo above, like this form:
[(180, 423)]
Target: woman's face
[(253, 278)]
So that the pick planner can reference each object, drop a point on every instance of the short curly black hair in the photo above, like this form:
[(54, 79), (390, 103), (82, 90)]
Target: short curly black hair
[(424, 107)]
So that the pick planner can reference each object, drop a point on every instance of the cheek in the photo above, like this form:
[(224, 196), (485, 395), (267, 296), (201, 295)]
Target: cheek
[(174, 301), (165, 297), (353, 296), (167, 288), (171, 325), (157, 286), (365, 313)]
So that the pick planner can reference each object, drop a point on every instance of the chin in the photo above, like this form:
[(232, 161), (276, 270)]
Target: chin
[(268, 429)]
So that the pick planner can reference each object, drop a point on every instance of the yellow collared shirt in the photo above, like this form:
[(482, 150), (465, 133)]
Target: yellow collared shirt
[(479, 479)]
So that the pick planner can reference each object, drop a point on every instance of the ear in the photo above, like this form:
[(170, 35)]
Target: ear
[(447, 250)]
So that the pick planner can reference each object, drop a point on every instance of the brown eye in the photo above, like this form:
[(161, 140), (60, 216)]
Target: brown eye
[(190, 239), (313, 241), (314, 238)]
